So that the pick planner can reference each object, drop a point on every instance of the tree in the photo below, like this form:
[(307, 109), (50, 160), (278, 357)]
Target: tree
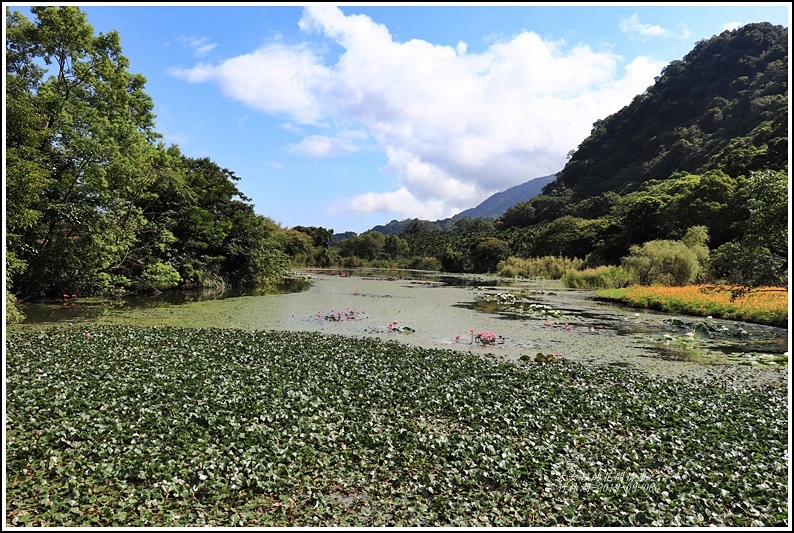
[(569, 236), (97, 204), (81, 130), (760, 256), (668, 262), (321, 237), (487, 253)]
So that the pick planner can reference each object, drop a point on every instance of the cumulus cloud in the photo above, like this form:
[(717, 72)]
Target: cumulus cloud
[(455, 126)]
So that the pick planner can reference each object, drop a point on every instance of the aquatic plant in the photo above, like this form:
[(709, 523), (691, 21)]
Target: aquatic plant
[(156, 427), (518, 304)]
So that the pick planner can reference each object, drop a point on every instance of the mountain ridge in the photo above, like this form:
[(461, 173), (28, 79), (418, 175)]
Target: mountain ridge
[(491, 208)]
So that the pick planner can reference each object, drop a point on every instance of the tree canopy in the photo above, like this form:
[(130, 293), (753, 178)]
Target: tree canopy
[(95, 203)]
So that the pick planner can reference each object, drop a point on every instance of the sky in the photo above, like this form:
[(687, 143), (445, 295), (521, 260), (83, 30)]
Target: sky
[(351, 115)]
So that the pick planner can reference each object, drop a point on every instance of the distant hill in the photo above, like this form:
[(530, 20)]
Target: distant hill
[(491, 208), (496, 204)]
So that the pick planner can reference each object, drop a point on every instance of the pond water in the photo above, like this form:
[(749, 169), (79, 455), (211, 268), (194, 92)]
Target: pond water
[(81, 309), (440, 309)]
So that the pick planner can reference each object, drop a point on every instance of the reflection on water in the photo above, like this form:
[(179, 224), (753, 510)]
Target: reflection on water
[(77, 309)]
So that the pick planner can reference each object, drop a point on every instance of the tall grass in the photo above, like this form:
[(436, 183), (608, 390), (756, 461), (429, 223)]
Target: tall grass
[(602, 277), (548, 267)]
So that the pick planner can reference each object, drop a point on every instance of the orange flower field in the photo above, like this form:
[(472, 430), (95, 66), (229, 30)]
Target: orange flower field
[(762, 305)]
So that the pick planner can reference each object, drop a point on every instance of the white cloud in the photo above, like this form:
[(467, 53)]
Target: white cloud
[(634, 29), (730, 26), (322, 146), (275, 79), (455, 126), (201, 45), (400, 201)]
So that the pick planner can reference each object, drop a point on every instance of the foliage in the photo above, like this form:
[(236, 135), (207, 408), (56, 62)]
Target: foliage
[(85, 132), (569, 236), (12, 315), (669, 262), (602, 277), (156, 427), (723, 107), (423, 263), (96, 204), (368, 246), (515, 304), (547, 267), (767, 305), (760, 256), (487, 253)]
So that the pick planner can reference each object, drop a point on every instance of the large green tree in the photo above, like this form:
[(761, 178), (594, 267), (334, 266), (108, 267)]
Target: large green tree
[(95, 203), (80, 143)]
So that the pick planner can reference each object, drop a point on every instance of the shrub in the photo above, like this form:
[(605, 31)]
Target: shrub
[(548, 267), (424, 263), (663, 262), (13, 314), (602, 277)]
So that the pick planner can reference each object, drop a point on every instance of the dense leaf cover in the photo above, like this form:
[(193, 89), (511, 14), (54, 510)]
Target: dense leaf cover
[(96, 203), (126, 426)]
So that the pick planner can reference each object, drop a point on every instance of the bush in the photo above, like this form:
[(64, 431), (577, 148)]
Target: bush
[(548, 267), (424, 263), (603, 277), (663, 262), (13, 314)]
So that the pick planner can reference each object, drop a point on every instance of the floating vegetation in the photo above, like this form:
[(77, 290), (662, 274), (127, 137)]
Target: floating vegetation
[(155, 427), (351, 313), (517, 304)]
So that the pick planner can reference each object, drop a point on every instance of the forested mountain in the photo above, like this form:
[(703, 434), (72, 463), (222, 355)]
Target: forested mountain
[(724, 107), (491, 208), (680, 154)]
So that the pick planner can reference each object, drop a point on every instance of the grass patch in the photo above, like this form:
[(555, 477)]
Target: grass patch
[(767, 305), (129, 426)]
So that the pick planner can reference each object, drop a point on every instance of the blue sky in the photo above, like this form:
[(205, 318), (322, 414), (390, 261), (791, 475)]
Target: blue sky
[(354, 115)]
